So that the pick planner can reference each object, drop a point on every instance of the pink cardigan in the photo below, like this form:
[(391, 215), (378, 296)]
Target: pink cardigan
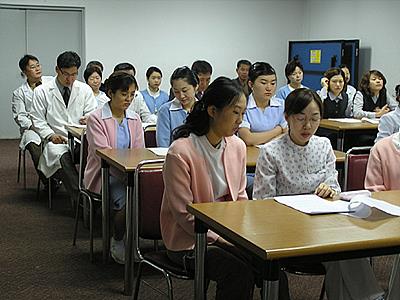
[(383, 169), (101, 133), (186, 180)]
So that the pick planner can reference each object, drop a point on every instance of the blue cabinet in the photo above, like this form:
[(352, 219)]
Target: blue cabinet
[(318, 56)]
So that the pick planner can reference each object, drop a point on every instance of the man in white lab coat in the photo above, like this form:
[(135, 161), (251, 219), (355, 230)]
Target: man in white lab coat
[(57, 103), (21, 106)]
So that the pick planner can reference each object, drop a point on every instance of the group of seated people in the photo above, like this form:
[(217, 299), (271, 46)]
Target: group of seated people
[(207, 127)]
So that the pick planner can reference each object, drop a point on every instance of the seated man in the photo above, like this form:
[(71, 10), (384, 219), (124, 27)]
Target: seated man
[(21, 106), (57, 103), (138, 105), (242, 70), (203, 70)]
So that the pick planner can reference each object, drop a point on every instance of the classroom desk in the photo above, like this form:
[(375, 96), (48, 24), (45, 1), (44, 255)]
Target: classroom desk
[(273, 234), (341, 129), (125, 161)]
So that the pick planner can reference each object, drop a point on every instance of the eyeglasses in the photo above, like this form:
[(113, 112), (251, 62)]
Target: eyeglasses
[(67, 75), (302, 119), (33, 67)]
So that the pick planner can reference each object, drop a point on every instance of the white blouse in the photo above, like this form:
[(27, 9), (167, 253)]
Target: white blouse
[(284, 168)]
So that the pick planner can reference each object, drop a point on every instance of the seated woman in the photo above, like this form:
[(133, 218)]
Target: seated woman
[(264, 118), (198, 169), (113, 126), (294, 75), (383, 172), (350, 90), (301, 162), (336, 103), (93, 77), (390, 122), (173, 113), (153, 95), (372, 100)]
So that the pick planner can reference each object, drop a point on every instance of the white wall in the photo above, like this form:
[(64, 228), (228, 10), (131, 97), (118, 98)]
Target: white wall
[(375, 23)]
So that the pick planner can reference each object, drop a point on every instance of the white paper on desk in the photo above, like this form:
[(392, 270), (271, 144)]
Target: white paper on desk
[(77, 125), (378, 204), (159, 151), (346, 120), (313, 204), (372, 121)]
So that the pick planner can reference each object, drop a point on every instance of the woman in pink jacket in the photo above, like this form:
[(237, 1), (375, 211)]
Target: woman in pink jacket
[(199, 168), (113, 126)]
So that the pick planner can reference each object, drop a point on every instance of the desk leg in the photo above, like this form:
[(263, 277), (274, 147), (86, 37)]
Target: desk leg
[(393, 275), (129, 260), (200, 253), (270, 273), (71, 145), (105, 206), (340, 141)]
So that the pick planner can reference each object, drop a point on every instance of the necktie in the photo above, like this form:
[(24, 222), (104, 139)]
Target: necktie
[(66, 95), (199, 95)]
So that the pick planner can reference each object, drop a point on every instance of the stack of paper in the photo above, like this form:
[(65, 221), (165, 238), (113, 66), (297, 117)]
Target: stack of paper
[(346, 120), (372, 121)]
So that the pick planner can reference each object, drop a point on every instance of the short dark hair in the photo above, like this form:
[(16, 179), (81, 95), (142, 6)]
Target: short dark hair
[(125, 67), (68, 59), (222, 92), (201, 66), (95, 63), (334, 72), (364, 82), (90, 70), (299, 99), (243, 62), (119, 80), (185, 74), (291, 66), (24, 61), (342, 66), (260, 68), (151, 70)]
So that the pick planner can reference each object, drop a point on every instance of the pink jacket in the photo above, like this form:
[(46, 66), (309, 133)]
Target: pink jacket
[(383, 169), (186, 180), (101, 133)]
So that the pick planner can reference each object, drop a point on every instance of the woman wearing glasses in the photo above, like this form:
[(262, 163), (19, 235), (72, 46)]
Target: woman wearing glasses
[(264, 118), (299, 163)]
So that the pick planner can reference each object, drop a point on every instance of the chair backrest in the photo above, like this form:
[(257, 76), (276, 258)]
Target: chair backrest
[(355, 168), (149, 187), (150, 136)]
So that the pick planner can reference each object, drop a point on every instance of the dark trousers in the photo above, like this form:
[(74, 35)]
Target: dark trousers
[(35, 152), (69, 176), (232, 270)]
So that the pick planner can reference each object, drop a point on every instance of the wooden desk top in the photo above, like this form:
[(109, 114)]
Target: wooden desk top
[(338, 126), (76, 132), (126, 160), (253, 152), (273, 231)]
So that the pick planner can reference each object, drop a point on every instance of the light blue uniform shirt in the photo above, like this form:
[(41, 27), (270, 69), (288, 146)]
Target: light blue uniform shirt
[(154, 102), (258, 120), (285, 90), (170, 116), (388, 124), (123, 134)]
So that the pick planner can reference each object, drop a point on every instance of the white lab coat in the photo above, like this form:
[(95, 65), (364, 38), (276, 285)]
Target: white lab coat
[(49, 115), (139, 106), (21, 103)]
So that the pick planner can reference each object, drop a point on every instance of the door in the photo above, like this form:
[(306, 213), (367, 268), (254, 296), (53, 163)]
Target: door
[(43, 32)]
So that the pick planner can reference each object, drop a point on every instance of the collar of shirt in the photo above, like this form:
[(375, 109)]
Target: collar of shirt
[(252, 103), (336, 99), (175, 105), (107, 114), (154, 95), (61, 87)]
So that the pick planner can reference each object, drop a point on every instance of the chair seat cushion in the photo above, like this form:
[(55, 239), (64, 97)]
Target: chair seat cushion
[(160, 259)]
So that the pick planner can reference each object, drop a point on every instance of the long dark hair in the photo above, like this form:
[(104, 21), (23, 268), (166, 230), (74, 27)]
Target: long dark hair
[(364, 83), (222, 92)]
